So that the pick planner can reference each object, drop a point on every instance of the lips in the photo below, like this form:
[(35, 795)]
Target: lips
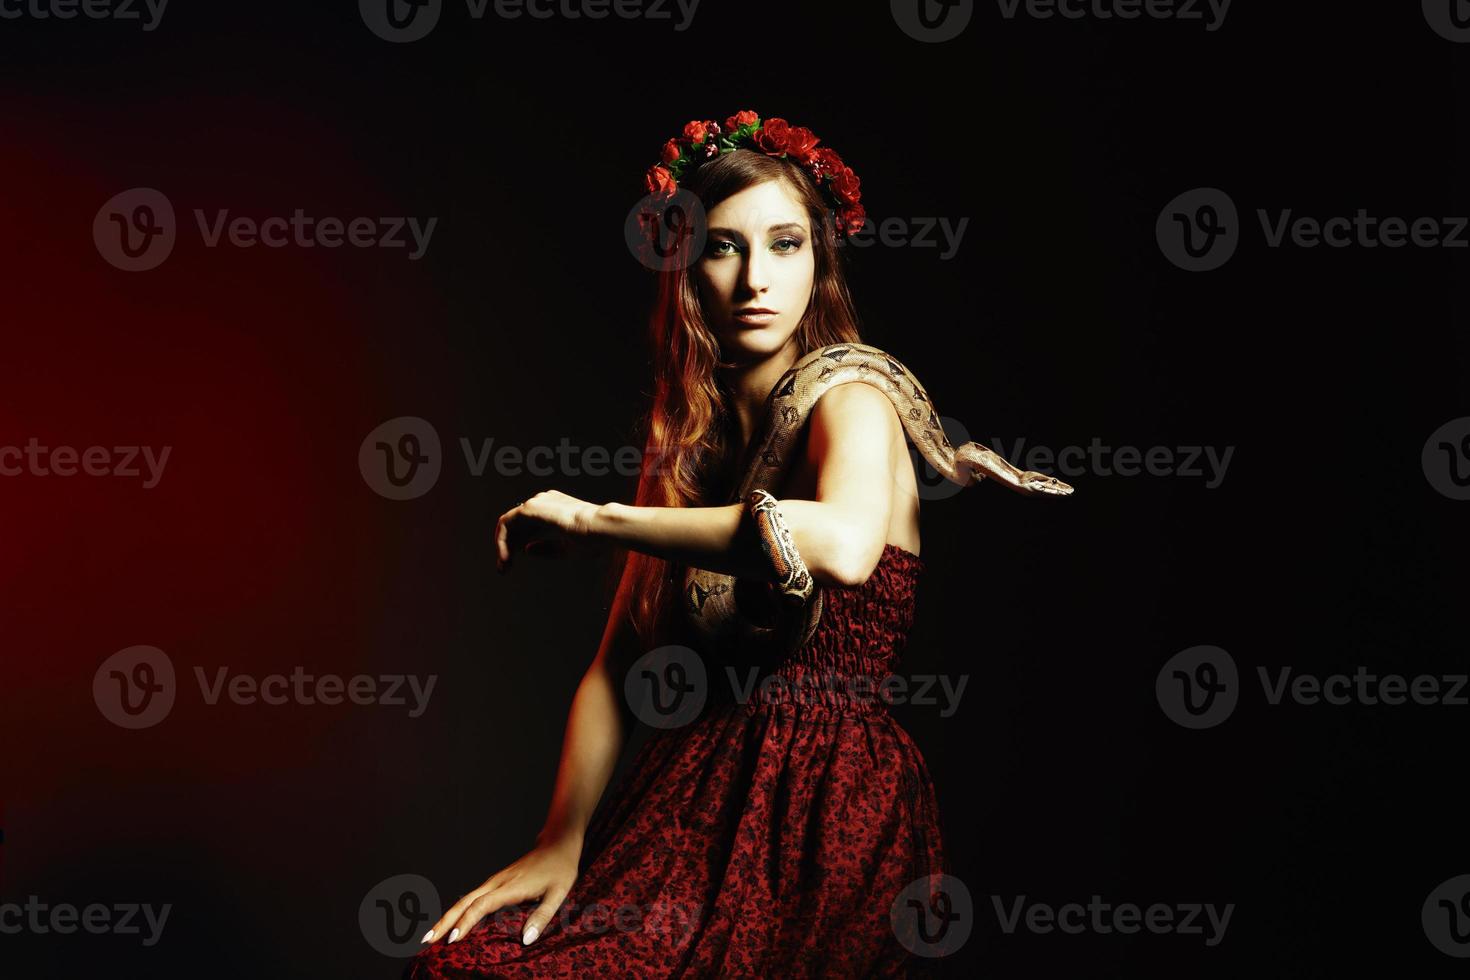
[(754, 311)]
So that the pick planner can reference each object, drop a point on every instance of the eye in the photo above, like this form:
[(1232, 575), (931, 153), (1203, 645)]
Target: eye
[(719, 248), (790, 245)]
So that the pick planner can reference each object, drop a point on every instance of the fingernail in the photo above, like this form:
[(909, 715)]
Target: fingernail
[(427, 936), (530, 936), (453, 935)]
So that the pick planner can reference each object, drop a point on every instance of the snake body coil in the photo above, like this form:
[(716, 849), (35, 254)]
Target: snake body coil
[(711, 596)]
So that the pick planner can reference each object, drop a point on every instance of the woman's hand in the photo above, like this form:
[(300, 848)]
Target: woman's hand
[(550, 523), (546, 872)]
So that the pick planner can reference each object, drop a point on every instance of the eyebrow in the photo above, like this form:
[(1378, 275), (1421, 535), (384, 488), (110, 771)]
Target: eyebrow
[(785, 226)]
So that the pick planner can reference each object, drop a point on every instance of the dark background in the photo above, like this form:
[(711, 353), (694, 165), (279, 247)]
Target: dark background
[(1059, 321)]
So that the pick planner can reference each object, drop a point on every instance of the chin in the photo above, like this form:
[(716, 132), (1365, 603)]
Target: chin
[(747, 342)]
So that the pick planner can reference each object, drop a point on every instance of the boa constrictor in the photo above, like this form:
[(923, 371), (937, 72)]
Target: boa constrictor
[(711, 597)]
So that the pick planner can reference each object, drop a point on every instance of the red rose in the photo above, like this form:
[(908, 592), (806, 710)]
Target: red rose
[(802, 142), (659, 181), (774, 137), (852, 219), (672, 150), (745, 117), (845, 185), (825, 162), (696, 130)]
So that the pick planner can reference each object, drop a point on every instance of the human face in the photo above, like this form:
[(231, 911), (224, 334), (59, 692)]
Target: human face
[(758, 257)]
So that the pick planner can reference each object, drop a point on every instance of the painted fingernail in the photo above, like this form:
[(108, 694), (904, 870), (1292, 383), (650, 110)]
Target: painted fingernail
[(453, 935), (530, 936), (427, 936)]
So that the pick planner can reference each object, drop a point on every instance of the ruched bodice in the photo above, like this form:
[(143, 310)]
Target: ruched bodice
[(858, 642)]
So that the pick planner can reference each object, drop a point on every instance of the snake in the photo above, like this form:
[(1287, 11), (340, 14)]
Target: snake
[(713, 599)]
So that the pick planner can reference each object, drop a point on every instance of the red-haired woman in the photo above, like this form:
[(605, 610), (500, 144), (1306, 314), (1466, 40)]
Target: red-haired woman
[(767, 835)]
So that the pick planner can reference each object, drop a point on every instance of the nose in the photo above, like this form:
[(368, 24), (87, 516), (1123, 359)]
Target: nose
[(756, 271)]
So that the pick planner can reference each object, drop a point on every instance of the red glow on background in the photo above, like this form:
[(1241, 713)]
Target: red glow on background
[(254, 366)]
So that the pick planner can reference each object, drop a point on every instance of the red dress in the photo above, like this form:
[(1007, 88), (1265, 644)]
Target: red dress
[(766, 838)]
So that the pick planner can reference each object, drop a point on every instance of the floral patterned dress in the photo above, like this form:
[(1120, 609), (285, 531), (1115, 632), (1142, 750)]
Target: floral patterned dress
[(774, 835)]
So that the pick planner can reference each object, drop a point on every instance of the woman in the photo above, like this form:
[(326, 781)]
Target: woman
[(769, 836)]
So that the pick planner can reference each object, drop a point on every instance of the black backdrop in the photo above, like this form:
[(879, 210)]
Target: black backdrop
[(1059, 320)]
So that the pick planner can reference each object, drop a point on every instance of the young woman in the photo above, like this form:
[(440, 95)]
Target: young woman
[(768, 836)]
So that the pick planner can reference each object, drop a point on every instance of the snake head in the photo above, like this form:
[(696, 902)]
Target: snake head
[(1039, 483)]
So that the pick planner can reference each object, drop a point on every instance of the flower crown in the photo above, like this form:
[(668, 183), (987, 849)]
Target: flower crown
[(704, 140)]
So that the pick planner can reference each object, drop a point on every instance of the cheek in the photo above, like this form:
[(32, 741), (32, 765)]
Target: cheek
[(803, 276), (709, 285)]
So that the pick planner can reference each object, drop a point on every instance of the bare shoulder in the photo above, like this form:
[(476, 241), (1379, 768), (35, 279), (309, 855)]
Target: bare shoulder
[(855, 409), (854, 428), (857, 447)]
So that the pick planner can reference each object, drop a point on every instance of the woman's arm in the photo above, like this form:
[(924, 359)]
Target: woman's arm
[(854, 445), (595, 733), (596, 730)]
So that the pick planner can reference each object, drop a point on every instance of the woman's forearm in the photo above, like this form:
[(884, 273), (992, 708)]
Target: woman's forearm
[(595, 733), (721, 539)]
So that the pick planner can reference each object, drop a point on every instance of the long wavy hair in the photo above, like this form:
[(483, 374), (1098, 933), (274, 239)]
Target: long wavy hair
[(689, 426)]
